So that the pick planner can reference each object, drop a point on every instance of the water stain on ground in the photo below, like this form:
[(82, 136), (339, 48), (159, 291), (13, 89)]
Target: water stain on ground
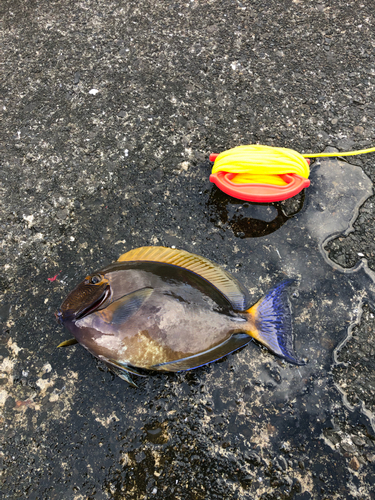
[(251, 220)]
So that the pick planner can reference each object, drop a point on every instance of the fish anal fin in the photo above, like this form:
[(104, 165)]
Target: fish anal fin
[(236, 341), (224, 282), (122, 309)]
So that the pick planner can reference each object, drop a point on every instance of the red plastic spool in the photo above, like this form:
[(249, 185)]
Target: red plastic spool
[(260, 193)]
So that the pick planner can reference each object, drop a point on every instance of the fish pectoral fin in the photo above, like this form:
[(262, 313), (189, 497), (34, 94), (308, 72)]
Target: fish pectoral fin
[(236, 341), (68, 342), (122, 309)]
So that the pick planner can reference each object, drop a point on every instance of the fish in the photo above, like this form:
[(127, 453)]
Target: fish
[(159, 309)]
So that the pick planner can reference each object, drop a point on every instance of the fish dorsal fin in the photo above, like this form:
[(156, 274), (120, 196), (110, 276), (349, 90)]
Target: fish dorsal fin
[(224, 282)]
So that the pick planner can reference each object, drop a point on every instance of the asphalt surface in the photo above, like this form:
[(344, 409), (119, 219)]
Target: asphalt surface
[(109, 113)]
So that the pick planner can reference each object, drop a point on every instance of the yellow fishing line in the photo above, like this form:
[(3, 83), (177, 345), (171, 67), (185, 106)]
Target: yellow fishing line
[(276, 180), (349, 153), (264, 164)]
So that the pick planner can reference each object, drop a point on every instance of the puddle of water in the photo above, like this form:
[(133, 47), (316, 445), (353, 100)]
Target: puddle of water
[(328, 299), (250, 220)]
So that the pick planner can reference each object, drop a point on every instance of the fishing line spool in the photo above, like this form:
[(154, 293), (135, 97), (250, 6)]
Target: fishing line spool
[(265, 174)]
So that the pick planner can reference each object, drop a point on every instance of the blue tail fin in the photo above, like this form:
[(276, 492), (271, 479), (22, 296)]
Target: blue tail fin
[(272, 322)]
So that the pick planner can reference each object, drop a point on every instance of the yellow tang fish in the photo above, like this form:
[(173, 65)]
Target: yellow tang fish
[(165, 309)]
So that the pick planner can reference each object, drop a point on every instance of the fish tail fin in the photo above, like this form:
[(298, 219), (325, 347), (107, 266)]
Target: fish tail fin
[(271, 322)]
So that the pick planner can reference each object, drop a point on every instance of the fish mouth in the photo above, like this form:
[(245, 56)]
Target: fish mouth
[(95, 305), (59, 316)]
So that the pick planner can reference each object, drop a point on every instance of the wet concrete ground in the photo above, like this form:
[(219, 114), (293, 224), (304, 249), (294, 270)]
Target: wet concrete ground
[(110, 111)]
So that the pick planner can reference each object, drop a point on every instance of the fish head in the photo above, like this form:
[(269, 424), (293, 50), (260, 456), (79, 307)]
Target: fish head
[(92, 293)]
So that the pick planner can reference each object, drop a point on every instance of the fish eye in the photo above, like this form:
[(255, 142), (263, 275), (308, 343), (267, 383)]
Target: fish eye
[(95, 279)]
